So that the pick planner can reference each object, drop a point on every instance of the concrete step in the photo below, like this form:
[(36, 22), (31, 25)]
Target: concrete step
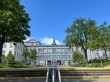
[(22, 73), (84, 73), (70, 73)]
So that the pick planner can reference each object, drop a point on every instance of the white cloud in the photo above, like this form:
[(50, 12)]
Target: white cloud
[(48, 41)]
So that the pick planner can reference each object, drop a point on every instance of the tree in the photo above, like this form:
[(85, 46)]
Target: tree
[(104, 38), (26, 53), (77, 57), (93, 41), (13, 22), (79, 33), (10, 58), (100, 39), (32, 54)]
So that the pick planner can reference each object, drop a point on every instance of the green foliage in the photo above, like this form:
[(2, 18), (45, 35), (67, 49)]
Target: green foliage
[(100, 38), (32, 54), (19, 65), (14, 65), (104, 38), (96, 64), (93, 41), (77, 57), (13, 22), (26, 54), (79, 33), (9, 58), (84, 33)]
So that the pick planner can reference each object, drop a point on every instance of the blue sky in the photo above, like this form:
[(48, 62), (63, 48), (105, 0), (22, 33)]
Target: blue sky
[(50, 18)]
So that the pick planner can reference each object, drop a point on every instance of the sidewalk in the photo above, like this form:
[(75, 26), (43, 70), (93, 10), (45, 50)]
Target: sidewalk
[(63, 80)]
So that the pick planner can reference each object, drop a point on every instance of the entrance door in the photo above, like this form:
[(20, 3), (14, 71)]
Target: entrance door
[(59, 62), (49, 62)]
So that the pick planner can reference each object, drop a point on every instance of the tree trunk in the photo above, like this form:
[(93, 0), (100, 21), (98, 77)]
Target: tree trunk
[(86, 58), (25, 56), (106, 54), (2, 40), (1, 48)]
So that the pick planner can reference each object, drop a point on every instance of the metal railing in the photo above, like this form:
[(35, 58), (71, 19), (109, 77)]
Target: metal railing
[(53, 74), (47, 76), (52, 71), (59, 75)]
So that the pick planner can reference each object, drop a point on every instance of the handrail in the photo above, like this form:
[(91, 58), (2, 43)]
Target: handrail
[(59, 76), (53, 76), (47, 75), (53, 73)]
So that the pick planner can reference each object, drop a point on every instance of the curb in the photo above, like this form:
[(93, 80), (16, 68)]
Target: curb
[(70, 68), (84, 77), (62, 77), (15, 78)]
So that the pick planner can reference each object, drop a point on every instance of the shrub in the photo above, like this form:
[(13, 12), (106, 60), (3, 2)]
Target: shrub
[(77, 57), (9, 58)]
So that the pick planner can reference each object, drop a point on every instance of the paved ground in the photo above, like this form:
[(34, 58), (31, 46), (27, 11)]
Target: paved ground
[(63, 80)]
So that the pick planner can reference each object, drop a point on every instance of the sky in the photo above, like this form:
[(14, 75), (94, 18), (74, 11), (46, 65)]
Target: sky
[(50, 18)]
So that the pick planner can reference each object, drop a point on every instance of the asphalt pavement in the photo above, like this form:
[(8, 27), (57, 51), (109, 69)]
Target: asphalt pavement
[(63, 80)]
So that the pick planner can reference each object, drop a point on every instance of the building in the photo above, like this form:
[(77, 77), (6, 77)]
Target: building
[(47, 54), (16, 48), (62, 54)]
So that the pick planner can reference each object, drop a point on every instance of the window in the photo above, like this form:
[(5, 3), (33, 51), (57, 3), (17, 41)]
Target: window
[(97, 49), (53, 50), (11, 45), (40, 50), (17, 55), (3, 56), (18, 46), (49, 50), (97, 54), (14, 53), (62, 49), (4, 51), (45, 50), (4, 45)]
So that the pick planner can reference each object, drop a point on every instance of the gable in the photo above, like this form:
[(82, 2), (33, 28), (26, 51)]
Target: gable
[(31, 41)]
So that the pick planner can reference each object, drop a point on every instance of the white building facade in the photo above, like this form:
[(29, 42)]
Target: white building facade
[(60, 53), (46, 54), (16, 48)]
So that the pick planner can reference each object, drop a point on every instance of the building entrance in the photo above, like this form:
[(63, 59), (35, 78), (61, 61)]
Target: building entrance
[(59, 62), (49, 62)]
